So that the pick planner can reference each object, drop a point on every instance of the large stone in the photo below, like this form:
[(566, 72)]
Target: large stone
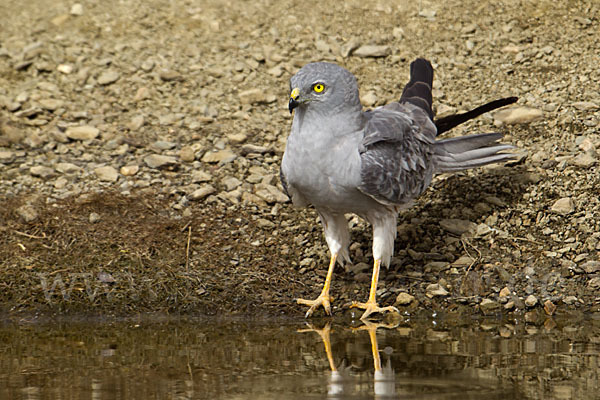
[(67, 168), (256, 96), (584, 160), (159, 161), (202, 192), (519, 115), (187, 154), (270, 193), (28, 213), (84, 132), (458, 226), (201, 176), (373, 51), (129, 170), (108, 77), (585, 105), (51, 104), (404, 299), (488, 306), (436, 290), (107, 173), (41, 171), (6, 156), (563, 206), (221, 156)]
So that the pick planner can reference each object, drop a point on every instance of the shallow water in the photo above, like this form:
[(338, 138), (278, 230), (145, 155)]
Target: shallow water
[(427, 358)]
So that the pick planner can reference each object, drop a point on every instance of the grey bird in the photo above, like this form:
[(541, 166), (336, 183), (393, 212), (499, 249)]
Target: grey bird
[(342, 159)]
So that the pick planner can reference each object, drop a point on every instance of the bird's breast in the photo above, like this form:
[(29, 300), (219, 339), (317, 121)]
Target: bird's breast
[(325, 169)]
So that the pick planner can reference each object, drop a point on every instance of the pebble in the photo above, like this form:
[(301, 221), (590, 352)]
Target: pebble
[(372, 51), (6, 156), (519, 115), (221, 156), (28, 213), (368, 99), (187, 154), (42, 171), (142, 93), (107, 173), (161, 145), (136, 123), (237, 137), (168, 75), (61, 183), (504, 292), (584, 160), (202, 192), (564, 205), (404, 299), (94, 217), (591, 267), (200, 176), (84, 132), (231, 183), (108, 77), (458, 226), (585, 105), (549, 307), (265, 223), (531, 301), (51, 104), (159, 161), (253, 149), (67, 168), (488, 306), (256, 96), (270, 194), (435, 290), (64, 68), (129, 170), (463, 261), (76, 9), (349, 47)]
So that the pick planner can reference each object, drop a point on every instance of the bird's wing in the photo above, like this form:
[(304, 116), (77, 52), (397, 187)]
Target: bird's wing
[(396, 153)]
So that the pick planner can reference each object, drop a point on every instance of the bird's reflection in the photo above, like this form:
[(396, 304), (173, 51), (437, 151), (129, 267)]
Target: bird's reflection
[(340, 381)]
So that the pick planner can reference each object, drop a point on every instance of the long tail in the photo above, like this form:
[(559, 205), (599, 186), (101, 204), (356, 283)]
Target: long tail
[(449, 122), (418, 90), (470, 151)]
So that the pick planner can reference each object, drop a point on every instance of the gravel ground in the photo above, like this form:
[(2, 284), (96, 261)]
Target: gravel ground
[(181, 106)]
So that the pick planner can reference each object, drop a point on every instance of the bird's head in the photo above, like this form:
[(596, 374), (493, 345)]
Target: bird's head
[(325, 87)]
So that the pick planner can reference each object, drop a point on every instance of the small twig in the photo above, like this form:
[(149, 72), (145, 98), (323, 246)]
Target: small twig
[(30, 236), (473, 263), (187, 250), (186, 226)]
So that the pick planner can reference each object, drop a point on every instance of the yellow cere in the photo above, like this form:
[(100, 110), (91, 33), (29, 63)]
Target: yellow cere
[(318, 87), (295, 93)]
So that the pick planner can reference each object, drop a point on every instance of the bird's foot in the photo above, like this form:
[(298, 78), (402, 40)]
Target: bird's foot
[(371, 307), (323, 300)]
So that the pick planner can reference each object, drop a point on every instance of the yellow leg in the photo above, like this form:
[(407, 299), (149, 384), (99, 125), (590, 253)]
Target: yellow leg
[(371, 306), (371, 328), (324, 299), (325, 337)]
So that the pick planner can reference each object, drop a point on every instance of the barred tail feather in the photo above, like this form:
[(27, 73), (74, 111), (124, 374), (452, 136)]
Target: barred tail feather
[(471, 151)]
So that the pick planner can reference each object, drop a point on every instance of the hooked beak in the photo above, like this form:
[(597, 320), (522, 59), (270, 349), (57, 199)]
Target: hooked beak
[(294, 99)]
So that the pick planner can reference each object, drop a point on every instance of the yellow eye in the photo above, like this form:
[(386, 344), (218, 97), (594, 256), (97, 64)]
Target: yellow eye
[(318, 87)]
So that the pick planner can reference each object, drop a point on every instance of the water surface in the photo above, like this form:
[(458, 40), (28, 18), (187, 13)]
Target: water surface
[(195, 358)]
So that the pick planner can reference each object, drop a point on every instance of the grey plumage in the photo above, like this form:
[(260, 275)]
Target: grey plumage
[(342, 159)]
